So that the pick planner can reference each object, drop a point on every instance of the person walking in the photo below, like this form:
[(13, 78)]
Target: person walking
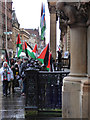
[(59, 59), (19, 76), (11, 84), (22, 73), (6, 76)]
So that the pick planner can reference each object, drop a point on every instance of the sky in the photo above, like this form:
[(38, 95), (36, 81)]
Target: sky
[(28, 14)]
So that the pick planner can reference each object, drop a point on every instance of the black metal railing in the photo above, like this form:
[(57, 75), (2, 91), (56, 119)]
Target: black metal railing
[(65, 63), (59, 66), (44, 90), (50, 89)]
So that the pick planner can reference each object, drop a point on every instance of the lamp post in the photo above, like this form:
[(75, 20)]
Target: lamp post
[(6, 20)]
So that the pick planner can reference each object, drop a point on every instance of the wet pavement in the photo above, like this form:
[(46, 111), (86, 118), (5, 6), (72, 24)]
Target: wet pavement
[(13, 106)]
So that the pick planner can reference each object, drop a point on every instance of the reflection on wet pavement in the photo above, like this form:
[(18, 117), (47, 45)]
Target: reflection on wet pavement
[(13, 106)]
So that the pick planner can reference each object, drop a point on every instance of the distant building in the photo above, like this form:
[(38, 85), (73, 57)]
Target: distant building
[(7, 16), (35, 39), (24, 35), (15, 30), (1, 30)]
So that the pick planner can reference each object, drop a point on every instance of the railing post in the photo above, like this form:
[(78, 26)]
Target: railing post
[(31, 106)]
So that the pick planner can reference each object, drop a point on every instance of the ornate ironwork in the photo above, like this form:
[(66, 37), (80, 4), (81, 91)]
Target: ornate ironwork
[(50, 89), (31, 87), (44, 90)]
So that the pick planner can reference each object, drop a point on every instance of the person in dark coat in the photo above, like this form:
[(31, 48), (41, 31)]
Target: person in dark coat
[(59, 56), (16, 73), (59, 59), (23, 68), (11, 83)]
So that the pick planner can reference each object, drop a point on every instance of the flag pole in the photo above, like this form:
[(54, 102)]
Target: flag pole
[(44, 42)]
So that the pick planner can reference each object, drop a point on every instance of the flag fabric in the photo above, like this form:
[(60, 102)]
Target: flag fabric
[(19, 46), (29, 51), (23, 46), (43, 22), (25, 49), (43, 57), (49, 62), (6, 57), (35, 50)]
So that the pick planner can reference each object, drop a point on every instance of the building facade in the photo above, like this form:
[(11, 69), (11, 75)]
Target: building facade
[(7, 26), (24, 35), (1, 30), (35, 39), (15, 31)]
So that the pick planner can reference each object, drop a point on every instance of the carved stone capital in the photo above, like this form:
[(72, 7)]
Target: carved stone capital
[(52, 7), (74, 12)]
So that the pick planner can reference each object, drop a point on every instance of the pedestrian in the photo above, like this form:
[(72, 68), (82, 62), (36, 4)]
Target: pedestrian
[(59, 59), (6, 76), (19, 62), (12, 82), (23, 68), (16, 75), (59, 56)]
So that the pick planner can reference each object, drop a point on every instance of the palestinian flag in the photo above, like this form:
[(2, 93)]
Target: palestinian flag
[(25, 48), (49, 62), (35, 51), (19, 46), (29, 51), (43, 57), (6, 57)]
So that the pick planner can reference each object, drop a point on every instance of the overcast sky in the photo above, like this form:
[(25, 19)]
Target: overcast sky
[(28, 14)]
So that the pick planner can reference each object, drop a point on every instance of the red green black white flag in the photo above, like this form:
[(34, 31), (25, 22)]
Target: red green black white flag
[(29, 51), (6, 56), (43, 57), (25, 48), (49, 62), (35, 51), (19, 46)]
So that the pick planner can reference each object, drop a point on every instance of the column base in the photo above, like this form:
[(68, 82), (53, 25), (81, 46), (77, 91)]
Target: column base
[(86, 99), (74, 98)]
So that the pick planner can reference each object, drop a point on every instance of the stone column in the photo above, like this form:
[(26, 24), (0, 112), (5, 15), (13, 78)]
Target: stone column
[(88, 68), (78, 35), (68, 39), (74, 98), (65, 40), (72, 85), (88, 46), (52, 9), (86, 83)]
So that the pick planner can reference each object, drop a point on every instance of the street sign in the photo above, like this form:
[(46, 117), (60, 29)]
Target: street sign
[(8, 33)]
